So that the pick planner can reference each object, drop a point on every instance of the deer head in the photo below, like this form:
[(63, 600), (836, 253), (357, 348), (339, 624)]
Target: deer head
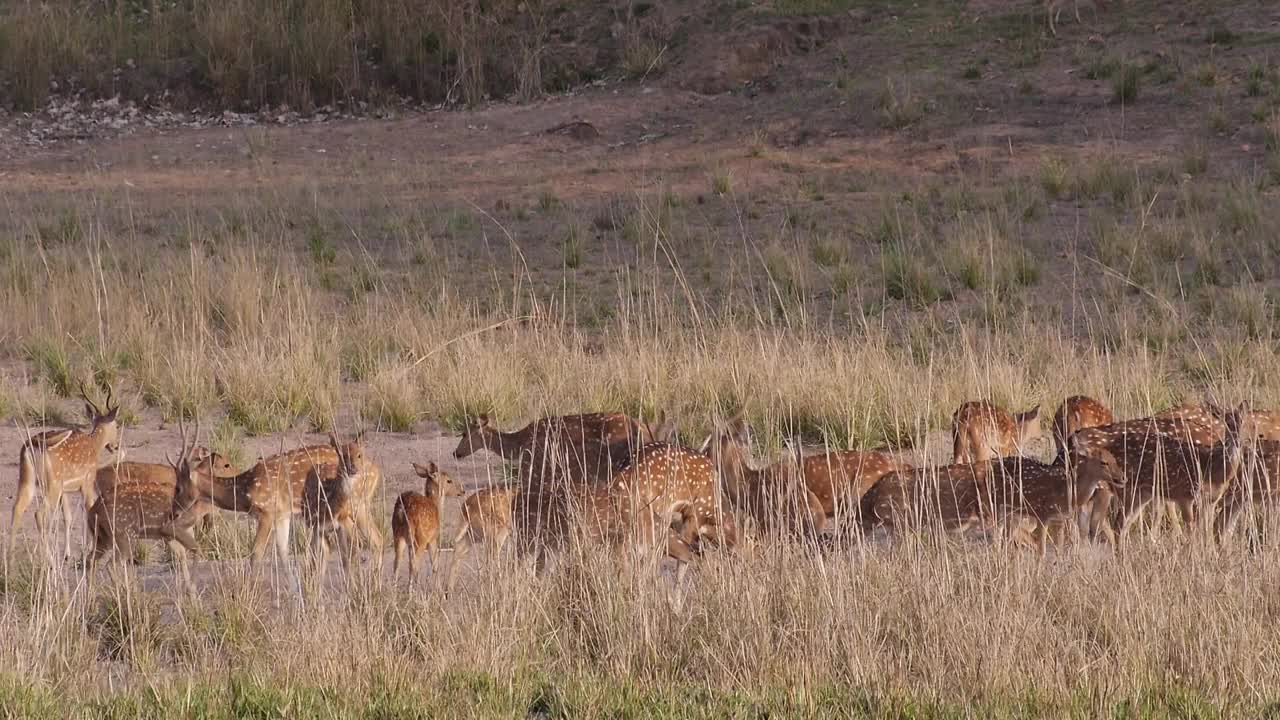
[(103, 421), (1028, 425), (478, 436), (436, 482)]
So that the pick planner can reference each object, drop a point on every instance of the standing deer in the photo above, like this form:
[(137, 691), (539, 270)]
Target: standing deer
[(1077, 413), (61, 461), (119, 474), (952, 497), (839, 478), (1155, 467), (578, 449), (127, 512), (1033, 499), (981, 431), (417, 517), (297, 463), (332, 502), (265, 491), (660, 479), (1111, 441), (1257, 485), (486, 519)]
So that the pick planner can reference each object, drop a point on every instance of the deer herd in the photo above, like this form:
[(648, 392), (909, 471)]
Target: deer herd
[(615, 481)]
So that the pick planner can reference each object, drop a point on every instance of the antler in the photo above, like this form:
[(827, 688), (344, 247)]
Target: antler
[(85, 394), (182, 440), (109, 395)]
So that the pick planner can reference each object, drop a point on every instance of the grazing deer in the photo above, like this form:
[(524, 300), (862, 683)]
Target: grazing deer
[(775, 496), (595, 516), (486, 519), (952, 497), (575, 448), (331, 501), (61, 461), (981, 431), (266, 491), (1033, 499), (1155, 467), (660, 479), (1077, 413), (1110, 441), (119, 474), (127, 512), (416, 519), (689, 531), (1257, 485)]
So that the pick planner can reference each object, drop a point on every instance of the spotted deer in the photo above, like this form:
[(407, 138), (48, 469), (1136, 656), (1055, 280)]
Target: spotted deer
[(1110, 441), (271, 492), (297, 463), (1257, 485), (119, 474), (595, 516), (953, 498), (689, 532), (486, 519), (127, 512), (662, 477), (1077, 413), (776, 496), (1155, 467), (417, 517), (1035, 501), (332, 501), (56, 462), (981, 431), (571, 448)]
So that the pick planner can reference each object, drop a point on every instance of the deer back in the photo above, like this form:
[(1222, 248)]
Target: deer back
[(1077, 413)]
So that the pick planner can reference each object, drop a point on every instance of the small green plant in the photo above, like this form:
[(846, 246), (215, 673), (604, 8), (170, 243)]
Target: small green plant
[(548, 201), (906, 278), (571, 248), (1255, 81), (1220, 34), (1124, 86), (722, 182), (899, 107), (826, 252), (1055, 178), (458, 222), (319, 245), (1196, 160)]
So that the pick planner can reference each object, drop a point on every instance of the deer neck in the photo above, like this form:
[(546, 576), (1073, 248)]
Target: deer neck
[(228, 493), (742, 479), (509, 444)]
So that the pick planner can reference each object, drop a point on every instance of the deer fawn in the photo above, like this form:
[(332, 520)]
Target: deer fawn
[(127, 512), (982, 431), (577, 448), (332, 501), (486, 519), (1077, 413), (60, 461), (416, 519)]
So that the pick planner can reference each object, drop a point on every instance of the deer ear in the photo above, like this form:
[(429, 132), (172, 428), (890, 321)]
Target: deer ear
[(431, 468), (359, 437), (333, 439), (1034, 413), (426, 471)]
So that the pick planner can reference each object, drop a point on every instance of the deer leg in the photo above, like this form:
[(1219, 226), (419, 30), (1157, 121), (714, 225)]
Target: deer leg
[(261, 537), (433, 558), (413, 561), (1226, 521), (461, 545), (21, 501), (398, 546), (370, 529)]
